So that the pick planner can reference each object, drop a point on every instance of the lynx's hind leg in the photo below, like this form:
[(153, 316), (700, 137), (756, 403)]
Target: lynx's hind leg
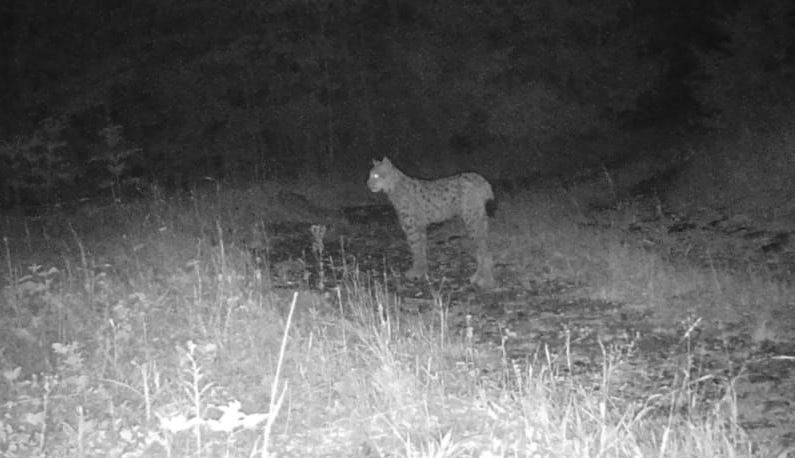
[(477, 225)]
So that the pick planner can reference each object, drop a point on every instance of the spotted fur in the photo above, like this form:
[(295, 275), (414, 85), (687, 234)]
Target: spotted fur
[(419, 203)]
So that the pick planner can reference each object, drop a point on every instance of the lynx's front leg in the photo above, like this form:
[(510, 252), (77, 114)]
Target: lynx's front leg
[(416, 236)]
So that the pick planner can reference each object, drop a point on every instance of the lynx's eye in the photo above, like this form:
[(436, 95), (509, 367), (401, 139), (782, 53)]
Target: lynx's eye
[(375, 175)]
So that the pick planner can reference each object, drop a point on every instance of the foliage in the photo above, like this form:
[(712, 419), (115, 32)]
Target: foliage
[(275, 89), (37, 167), (284, 89), (44, 168), (116, 160), (748, 80)]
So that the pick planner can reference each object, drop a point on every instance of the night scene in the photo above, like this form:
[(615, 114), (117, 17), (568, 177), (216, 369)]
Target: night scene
[(397, 228)]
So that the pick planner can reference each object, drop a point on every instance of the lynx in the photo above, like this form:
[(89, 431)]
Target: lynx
[(419, 203)]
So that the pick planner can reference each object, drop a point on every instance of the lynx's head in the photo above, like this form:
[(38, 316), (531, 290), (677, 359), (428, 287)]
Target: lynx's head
[(383, 176)]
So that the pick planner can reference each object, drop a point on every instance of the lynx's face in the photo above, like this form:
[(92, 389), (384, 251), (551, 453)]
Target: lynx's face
[(382, 176)]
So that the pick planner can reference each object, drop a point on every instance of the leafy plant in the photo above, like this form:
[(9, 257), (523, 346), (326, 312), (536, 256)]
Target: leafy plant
[(116, 160), (38, 167)]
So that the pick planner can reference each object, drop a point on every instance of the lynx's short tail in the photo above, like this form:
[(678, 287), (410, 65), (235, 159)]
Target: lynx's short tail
[(491, 207), (489, 200)]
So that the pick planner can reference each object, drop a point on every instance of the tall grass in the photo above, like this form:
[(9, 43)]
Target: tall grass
[(148, 329)]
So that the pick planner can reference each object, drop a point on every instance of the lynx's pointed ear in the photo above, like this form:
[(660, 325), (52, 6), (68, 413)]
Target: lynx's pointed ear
[(375, 162)]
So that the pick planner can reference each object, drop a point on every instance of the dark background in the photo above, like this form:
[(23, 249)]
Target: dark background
[(98, 94)]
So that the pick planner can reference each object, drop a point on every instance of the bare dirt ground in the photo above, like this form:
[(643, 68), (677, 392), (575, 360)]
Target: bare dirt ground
[(552, 319)]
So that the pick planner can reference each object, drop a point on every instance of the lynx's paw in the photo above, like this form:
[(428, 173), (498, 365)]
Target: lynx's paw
[(416, 272), (483, 278)]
